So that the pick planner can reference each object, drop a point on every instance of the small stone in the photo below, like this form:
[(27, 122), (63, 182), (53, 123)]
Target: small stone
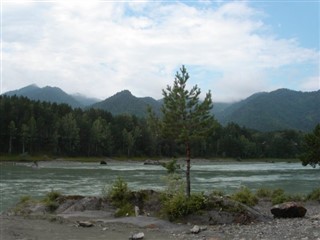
[(137, 236), (203, 228), (85, 224), (195, 229), (136, 211)]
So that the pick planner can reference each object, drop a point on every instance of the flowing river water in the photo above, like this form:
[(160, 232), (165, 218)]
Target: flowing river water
[(75, 178)]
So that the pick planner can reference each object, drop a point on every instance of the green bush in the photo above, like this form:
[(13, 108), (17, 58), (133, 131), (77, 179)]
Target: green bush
[(178, 205), (119, 195), (217, 193), (53, 195), (314, 195), (263, 193), (126, 209), (245, 196), (25, 199), (50, 200), (279, 196)]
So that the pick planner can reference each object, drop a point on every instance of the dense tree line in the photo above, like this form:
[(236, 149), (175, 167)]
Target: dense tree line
[(59, 130)]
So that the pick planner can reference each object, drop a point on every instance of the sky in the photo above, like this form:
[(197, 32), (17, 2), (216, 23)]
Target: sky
[(98, 48)]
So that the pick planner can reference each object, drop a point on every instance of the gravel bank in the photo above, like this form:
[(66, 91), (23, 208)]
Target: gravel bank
[(58, 228)]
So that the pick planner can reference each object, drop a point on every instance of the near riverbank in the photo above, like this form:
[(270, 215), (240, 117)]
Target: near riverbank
[(105, 226)]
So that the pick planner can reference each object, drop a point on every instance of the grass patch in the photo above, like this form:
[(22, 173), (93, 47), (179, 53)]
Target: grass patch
[(120, 196), (245, 196), (50, 200), (314, 195), (178, 205)]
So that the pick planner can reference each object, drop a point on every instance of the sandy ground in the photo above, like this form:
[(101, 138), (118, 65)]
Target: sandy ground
[(105, 227), (20, 228)]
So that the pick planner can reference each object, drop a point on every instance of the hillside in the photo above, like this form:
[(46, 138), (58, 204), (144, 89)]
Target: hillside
[(50, 94), (277, 110), (125, 103)]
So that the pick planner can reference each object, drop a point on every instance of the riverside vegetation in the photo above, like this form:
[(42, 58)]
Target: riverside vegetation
[(172, 204)]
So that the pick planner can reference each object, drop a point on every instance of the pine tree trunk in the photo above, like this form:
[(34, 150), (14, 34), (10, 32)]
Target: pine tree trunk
[(188, 186)]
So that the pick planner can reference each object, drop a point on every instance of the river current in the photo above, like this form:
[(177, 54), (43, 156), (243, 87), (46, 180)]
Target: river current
[(19, 180)]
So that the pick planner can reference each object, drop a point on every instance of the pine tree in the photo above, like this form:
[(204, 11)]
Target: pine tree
[(185, 117), (312, 148)]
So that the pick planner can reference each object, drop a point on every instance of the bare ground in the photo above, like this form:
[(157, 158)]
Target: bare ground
[(64, 226)]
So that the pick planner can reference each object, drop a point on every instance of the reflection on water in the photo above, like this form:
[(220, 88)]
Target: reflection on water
[(89, 178)]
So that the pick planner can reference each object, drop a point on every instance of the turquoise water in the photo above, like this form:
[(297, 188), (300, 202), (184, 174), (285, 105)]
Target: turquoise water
[(89, 178)]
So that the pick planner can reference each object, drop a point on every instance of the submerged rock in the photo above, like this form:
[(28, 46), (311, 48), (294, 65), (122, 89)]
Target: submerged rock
[(288, 210)]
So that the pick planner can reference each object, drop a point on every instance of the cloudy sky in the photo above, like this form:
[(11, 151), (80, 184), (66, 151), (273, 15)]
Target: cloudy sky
[(98, 48)]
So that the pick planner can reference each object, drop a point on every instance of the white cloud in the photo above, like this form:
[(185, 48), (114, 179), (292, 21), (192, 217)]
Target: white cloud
[(98, 48)]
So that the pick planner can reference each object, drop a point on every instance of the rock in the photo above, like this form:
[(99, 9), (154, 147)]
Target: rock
[(316, 217), (103, 162), (203, 228), (85, 224), (137, 236), (288, 210), (195, 229), (150, 162), (136, 211)]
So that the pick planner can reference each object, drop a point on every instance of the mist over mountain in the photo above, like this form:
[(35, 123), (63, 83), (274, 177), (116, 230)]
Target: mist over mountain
[(277, 110), (53, 95)]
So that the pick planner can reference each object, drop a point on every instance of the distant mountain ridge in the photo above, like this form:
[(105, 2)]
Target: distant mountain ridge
[(277, 110), (125, 103), (265, 111), (51, 94)]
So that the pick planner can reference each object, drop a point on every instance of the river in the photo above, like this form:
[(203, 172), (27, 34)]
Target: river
[(89, 178)]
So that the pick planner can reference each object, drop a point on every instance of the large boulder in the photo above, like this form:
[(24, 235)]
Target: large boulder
[(288, 210)]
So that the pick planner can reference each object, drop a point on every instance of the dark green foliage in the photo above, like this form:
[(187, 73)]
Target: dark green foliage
[(245, 196), (312, 148), (40, 128), (171, 166), (50, 200), (178, 205), (120, 196), (185, 118), (125, 103)]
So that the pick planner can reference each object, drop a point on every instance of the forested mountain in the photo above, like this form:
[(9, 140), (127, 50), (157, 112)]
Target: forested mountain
[(50, 94), (125, 103), (277, 110), (35, 127)]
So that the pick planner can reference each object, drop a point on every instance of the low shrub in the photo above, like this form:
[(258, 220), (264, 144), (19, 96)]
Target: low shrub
[(263, 193), (25, 199), (126, 209), (217, 193), (53, 195), (50, 200), (119, 195), (245, 196), (178, 205), (314, 195)]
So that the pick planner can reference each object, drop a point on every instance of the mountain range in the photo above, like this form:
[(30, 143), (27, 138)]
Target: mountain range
[(265, 111)]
